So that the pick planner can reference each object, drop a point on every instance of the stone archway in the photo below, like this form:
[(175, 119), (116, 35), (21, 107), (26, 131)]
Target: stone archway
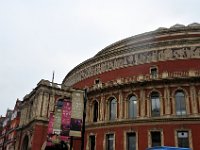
[(25, 143)]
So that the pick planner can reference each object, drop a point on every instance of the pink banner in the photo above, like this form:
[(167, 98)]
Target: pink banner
[(66, 120)]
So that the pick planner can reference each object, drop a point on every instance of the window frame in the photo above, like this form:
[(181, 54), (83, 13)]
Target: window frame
[(180, 103), (189, 136), (127, 140), (132, 107), (155, 100), (154, 72), (112, 108), (95, 111), (107, 141), (90, 142)]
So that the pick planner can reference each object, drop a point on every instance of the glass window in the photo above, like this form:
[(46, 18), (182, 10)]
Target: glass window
[(92, 142), (155, 104), (95, 111), (59, 103), (113, 109), (180, 103), (154, 73), (109, 142), (183, 140), (131, 141), (132, 107), (97, 81), (155, 138)]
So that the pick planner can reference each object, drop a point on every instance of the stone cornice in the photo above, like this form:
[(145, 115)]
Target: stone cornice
[(191, 76), (144, 121)]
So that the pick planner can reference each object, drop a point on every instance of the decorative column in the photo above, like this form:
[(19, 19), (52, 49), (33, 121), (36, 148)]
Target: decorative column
[(148, 103), (193, 100), (166, 100), (198, 101), (125, 108), (88, 111), (188, 102), (172, 105), (106, 110), (120, 105), (45, 104), (142, 103), (161, 106), (102, 108)]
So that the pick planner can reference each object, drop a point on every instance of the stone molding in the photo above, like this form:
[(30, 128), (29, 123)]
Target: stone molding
[(177, 42)]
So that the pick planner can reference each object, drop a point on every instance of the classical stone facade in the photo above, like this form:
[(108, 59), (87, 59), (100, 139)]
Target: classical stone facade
[(35, 110), (143, 91)]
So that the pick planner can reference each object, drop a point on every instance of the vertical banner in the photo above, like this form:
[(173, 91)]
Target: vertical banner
[(66, 120), (77, 113), (57, 122)]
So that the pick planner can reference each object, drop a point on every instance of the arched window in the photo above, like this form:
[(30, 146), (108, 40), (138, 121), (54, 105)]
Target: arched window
[(95, 111), (132, 104), (155, 104), (180, 103), (113, 109)]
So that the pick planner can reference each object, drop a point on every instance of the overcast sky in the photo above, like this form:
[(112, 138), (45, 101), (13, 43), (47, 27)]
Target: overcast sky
[(39, 36)]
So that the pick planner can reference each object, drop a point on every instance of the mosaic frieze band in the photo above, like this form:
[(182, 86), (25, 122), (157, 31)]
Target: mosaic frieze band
[(132, 59)]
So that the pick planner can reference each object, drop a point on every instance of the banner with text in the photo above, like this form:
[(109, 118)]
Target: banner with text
[(77, 113), (66, 120)]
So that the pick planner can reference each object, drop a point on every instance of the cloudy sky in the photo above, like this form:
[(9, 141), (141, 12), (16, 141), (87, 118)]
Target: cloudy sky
[(39, 36)]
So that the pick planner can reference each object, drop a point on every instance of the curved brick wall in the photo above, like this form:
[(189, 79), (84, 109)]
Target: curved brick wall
[(124, 68)]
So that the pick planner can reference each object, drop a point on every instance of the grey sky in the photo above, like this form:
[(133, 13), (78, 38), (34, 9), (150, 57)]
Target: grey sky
[(39, 36)]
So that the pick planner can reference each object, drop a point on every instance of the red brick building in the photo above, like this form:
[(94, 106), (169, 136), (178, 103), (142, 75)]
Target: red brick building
[(12, 130), (143, 91), (5, 127), (35, 110), (1, 132)]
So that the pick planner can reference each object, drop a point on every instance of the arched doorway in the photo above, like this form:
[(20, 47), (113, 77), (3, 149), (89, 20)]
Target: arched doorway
[(25, 143)]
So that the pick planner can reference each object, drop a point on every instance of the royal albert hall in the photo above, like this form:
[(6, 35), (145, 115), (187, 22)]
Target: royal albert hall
[(143, 91)]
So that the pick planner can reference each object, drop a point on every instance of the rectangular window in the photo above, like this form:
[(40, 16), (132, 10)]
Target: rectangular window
[(155, 138), (97, 81), (109, 142), (92, 142), (131, 141), (154, 73), (183, 139)]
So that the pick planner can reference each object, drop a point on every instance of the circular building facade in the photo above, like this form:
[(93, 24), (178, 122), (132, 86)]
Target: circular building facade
[(143, 91)]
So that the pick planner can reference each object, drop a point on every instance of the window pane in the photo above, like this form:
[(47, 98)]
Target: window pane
[(154, 73), (180, 103), (131, 141), (109, 142), (113, 109), (132, 107), (156, 138), (155, 104), (183, 140), (95, 111), (92, 142)]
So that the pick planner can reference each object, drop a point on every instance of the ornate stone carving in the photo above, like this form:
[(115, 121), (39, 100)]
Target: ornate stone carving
[(132, 59)]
